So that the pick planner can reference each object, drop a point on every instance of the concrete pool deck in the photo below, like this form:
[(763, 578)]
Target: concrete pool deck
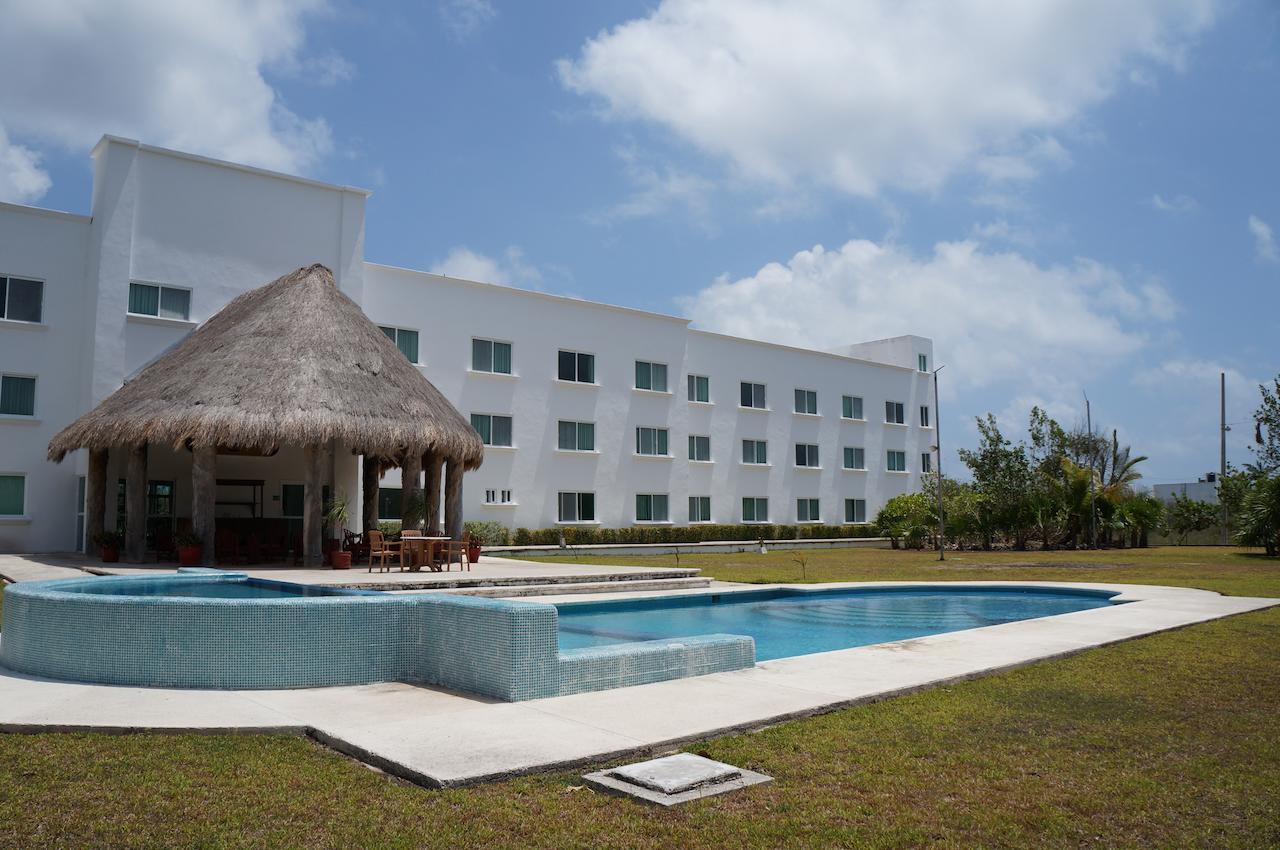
[(439, 738)]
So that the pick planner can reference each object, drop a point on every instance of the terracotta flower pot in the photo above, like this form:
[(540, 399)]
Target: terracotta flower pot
[(341, 560), (110, 554), (190, 556), (473, 553)]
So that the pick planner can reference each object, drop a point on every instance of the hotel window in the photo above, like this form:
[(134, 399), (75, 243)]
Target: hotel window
[(807, 510), (651, 376), (851, 407), (755, 451), (926, 462), (894, 413), (577, 436), (924, 416), (21, 300), (490, 356), (752, 395), (700, 388), (855, 457), (855, 510), (497, 497), (577, 507), (806, 454), (652, 507), (699, 447), (493, 430), (922, 362), (406, 341), (807, 402), (17, 395), (13, 495), (577, 367), (165, 302), (389, 501), (896, 461), (651, 441), (699, 509), (755, 510)]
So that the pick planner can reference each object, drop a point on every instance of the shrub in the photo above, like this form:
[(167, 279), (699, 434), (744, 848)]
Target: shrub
[(487, 532), (674, 534)]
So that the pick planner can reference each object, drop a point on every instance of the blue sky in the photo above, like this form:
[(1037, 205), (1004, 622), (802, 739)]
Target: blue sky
[(1069, 197)]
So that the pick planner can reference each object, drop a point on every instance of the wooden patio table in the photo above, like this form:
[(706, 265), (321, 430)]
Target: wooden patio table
[(421, 550)]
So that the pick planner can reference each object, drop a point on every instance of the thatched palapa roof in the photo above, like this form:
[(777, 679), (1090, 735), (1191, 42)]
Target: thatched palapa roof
[(295, 362)]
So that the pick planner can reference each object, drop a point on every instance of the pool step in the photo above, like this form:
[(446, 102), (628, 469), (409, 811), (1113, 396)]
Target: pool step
[(583, 587)]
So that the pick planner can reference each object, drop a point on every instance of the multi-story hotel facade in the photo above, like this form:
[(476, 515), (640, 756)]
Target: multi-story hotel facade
[(592, 414)]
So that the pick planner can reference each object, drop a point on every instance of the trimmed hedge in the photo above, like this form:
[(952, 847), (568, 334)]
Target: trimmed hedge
[(585, 536)]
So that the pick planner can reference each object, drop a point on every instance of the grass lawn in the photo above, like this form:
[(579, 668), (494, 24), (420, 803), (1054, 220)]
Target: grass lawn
[(1167, 741)]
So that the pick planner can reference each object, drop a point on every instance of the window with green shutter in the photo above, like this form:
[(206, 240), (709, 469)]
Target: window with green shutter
[(405, 340), (13, 495), (21, 300), (17, 395)]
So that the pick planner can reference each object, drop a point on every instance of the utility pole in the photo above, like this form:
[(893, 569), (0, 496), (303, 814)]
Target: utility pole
[(1093, 512), (1222, 452), (937, 436)]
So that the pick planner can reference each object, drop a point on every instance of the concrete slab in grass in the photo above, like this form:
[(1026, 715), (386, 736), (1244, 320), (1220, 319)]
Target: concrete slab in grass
[(674, 779)]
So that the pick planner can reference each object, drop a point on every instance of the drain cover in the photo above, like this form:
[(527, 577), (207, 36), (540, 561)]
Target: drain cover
[(674, 779)]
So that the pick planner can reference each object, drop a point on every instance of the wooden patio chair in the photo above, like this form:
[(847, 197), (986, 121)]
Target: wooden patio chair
[(454, 551), (381, 548)]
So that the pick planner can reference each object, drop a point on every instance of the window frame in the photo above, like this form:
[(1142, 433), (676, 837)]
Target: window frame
[(888, 461), (488, 440), (579, 357), (395, 340), (578, 503), (758, 444), (926, 463), (653, 505), (846, 403), (577, 436), (696, 503), (160, 288), (925, 416), (693, 385), (693, 443), (22, 513), (7, 281), (810, 454), (813, 509), (651, 368), (922, 362), (899, 409), (35, 396), (660, 436), (845, 457), (493, 359), (807, 395), (763, 395), (756, 502), (853, 503)]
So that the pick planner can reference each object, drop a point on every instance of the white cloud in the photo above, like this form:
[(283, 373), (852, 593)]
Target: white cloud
[(658, 189), (995, 317), (22, 180), (463, 18), (1263, 239), (509, 269), (878, 93), (181, 75), (1176, 204)]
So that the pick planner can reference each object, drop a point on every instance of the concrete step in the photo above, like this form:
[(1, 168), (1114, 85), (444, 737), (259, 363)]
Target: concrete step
[(562, 589)]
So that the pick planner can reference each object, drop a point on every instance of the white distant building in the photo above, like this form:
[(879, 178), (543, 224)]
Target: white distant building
[(1204, 490), (594, 414)]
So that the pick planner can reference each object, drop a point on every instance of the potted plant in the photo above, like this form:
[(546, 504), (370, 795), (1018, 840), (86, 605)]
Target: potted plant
[(190, 549), (108, 543), (336, 518), (483, 533)]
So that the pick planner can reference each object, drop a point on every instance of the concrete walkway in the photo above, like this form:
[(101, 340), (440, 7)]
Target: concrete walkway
[(437, 738), (14, 568)]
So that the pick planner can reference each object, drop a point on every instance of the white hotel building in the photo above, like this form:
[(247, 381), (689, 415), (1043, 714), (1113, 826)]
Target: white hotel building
[(594, 414)]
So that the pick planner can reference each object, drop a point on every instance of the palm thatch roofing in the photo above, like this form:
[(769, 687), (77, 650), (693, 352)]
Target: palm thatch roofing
[(295, 362)]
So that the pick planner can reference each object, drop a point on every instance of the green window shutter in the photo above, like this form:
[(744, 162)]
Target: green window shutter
[(568, 436), (389, 502), (17, 396), (481, 424), (502, 357), (175, 303), (659, 377), (144, 299), (501, 430), (11, 495), (24, 301), (407, 342), (481, 355), (390, 333), (586, 436)]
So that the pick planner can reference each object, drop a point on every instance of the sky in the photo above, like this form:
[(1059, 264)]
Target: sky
[(1070, 197)]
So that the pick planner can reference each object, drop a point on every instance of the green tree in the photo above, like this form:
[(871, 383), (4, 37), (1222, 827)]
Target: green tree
[(908, 519), (1259, 520), (1002, 478), (1267, 423), (1186, 516)]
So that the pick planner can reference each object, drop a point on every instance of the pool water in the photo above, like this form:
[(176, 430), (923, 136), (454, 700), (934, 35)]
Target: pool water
[(200, 589), (798, 622)]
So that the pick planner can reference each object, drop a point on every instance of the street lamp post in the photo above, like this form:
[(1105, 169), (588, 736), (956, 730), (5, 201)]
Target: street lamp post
[(937, 435)]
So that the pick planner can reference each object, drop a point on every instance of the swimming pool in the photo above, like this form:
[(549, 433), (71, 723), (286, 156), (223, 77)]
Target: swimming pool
[(787, 622)]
